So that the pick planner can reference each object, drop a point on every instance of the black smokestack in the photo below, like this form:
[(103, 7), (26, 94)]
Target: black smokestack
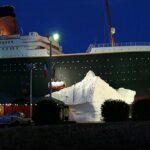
[(8, 25)]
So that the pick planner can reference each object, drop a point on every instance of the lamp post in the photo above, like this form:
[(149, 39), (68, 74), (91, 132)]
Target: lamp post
[(50, 70), (55, 37)]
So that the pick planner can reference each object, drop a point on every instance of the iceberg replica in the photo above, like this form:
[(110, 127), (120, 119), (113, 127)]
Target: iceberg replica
[(86, 97)]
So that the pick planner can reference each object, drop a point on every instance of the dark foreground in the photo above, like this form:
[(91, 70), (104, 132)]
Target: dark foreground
[(104, 136)]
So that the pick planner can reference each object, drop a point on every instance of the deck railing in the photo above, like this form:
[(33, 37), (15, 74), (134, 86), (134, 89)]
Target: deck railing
[(118, 44), (124, 44)]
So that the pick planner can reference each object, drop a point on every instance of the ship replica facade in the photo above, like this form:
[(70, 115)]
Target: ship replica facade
[(120, 66)]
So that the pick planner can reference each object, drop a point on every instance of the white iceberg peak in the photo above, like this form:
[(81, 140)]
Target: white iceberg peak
[(86, 97), (89, 75)]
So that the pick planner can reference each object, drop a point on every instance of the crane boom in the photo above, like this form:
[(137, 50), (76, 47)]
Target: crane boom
[(111, 29)]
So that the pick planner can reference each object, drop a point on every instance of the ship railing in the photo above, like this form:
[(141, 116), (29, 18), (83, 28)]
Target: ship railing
[(90, 47), (117, 45), (123, 44)]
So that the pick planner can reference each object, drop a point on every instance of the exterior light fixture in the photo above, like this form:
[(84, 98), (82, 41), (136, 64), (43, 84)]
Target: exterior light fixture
[(56, 36)]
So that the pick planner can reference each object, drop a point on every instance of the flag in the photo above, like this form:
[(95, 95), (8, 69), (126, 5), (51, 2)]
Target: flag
[(45, 70)]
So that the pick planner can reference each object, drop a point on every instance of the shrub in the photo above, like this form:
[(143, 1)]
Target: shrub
[(46, 112), (140, 110), (115, 110)]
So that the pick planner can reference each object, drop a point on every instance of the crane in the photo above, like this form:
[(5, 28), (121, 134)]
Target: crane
[(111, 28)]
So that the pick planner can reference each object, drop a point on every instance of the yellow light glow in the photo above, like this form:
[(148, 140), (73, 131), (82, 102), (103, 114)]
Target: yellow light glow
[(56, 36)]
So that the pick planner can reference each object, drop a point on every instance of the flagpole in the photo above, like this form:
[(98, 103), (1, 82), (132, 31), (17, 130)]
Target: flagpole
[(31, 91)]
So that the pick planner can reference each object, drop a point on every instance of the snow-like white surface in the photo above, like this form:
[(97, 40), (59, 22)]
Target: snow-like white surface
[(128, 95), (86, 97)]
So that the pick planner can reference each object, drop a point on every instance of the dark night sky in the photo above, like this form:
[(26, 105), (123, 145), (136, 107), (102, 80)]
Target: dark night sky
[(82, 22)]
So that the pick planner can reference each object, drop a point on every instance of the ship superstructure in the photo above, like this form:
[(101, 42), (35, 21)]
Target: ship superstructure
[(15, 45), (32, 45)]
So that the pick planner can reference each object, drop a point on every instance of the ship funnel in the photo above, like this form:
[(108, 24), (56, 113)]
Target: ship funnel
[(8, 25)]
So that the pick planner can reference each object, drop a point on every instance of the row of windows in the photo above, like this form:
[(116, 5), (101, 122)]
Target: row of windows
[(9, 48), (6, 42), (102, 60)]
